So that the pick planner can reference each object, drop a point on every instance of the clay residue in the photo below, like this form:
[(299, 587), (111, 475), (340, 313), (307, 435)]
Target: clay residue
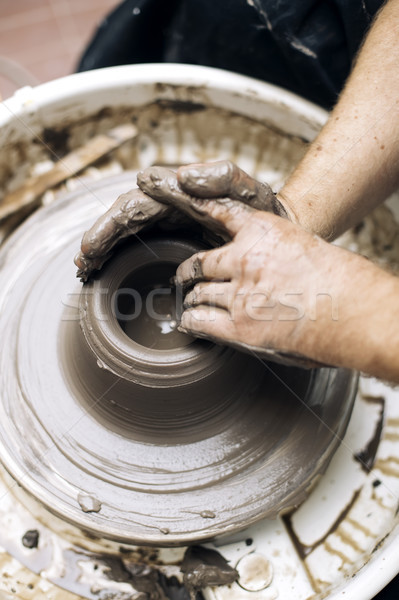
[(56, 140), (202, 567), (366, 457), (149, 581), (208, 124), (154, 479), (26, 197), (31, 539), (182, 106), (304, 550), (132, 212), (252, 437)]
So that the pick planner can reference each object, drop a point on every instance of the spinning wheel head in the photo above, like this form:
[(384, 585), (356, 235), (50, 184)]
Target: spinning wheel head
[(174, 440)]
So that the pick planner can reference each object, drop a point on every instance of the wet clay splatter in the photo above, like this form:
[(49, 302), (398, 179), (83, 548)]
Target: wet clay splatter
[(202, 567)]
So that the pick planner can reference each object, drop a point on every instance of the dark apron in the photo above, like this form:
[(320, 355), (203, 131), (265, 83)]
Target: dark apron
[(306, 46)]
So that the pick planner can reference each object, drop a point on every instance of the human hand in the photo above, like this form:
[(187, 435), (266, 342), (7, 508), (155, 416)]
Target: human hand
[(271, 290), (221, 179)]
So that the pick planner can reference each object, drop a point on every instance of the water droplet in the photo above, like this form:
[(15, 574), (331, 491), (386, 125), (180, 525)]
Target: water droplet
[(136, 11), (255, 572)]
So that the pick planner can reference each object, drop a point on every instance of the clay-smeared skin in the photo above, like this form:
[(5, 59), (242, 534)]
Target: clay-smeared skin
[(224, 179), (285, 267), (273, 288), (135, 210), (127, 216), (209, 181), (162, 184)]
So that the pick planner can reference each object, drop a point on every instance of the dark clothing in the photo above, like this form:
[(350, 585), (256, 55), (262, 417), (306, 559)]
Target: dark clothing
[(306, 46)]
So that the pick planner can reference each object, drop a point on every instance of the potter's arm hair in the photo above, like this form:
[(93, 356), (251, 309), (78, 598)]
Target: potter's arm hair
[(353, 165)]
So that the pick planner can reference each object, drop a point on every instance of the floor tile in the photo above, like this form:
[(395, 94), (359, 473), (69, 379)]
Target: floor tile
[(45, 38)]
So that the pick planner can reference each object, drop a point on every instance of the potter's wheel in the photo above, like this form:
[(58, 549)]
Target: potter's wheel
[(230, 442), (343, 540)]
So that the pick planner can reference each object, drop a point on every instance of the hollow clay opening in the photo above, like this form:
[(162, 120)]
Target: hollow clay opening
[(148, 307)]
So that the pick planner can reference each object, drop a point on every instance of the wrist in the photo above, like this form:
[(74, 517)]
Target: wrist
[(364, 335), (308, 211), (378, 327), (282, 207)]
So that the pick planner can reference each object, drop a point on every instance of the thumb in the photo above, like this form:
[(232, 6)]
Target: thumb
[(222, 215), (225, 179)]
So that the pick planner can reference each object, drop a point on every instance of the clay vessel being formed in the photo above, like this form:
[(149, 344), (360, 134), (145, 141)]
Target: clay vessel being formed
[(173, 440)]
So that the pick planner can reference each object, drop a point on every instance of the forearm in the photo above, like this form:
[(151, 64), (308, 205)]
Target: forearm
[(353, 165), (362, 331)]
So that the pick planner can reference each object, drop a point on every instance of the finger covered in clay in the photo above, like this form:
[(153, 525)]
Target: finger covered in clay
[(225, 179), (130, 213), (207, 265), (200, 322), (162, 184)]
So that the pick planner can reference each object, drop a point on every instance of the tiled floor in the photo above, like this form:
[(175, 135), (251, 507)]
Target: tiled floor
[(43, 39)]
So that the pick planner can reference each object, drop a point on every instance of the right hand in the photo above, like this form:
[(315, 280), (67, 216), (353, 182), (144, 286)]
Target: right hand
[(275, 290)]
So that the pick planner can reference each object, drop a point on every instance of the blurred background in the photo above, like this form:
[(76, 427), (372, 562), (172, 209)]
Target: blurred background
[(43, 39)]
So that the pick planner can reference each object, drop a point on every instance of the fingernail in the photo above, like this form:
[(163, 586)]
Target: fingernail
[(143, 178)]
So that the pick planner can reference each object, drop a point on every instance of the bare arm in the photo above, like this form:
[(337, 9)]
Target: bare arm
[(353, 165)]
